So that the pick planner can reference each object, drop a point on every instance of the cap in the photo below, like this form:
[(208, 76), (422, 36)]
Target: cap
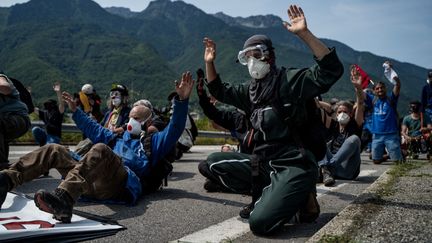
[(430, 73), (258, 39), (121, 88), (87, 89)]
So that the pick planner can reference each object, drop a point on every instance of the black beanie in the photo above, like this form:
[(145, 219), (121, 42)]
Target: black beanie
[(258, 39)]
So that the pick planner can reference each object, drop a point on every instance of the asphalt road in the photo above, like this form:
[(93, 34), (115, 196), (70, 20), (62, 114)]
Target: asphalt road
[(185, 212)]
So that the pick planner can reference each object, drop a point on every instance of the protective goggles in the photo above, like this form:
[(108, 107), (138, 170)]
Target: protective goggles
[(258, 51), (115, 94)]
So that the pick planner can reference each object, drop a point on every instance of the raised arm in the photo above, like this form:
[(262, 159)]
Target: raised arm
[(163, 142), (356, 80), (209, 57), (397, 87), (298, 26)]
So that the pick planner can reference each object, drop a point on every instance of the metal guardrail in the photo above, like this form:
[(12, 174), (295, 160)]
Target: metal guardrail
[(71, 127)]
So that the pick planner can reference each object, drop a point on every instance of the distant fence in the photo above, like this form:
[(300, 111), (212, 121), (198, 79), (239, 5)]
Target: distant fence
[(71, 127)]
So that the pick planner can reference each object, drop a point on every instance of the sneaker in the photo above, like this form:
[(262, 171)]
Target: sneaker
[(246, 210), (211, 186), (59, 204), (5, 186), (310, 212), (328, 179)]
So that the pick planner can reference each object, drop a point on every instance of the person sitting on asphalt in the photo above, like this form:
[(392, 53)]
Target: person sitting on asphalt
[(342, 159), (52, 117), (112, 170), (233, 121), (385, 128), (89, 102), (157, 124), (413, 128), (14, 119), (116, 118)]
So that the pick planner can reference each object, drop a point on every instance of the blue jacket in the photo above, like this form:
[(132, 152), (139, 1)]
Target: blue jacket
[(131, 150)]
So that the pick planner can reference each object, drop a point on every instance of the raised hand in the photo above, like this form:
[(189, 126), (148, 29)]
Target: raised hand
[(297, 19), (57, 87), (68, 98), (210, 50), (356, 79), (184, 88)]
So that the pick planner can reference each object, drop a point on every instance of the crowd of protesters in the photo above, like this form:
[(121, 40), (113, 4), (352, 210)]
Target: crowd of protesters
[(272, 161)]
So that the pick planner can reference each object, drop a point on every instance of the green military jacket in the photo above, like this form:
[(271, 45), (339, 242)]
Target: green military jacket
[(298, 85)]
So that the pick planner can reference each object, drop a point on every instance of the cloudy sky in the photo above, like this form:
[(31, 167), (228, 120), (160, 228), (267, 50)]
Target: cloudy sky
[(399, 29)]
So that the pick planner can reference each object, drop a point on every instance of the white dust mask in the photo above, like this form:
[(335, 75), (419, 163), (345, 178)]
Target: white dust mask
[(116, 101), (343, 118), (257, 69), (134, 127)]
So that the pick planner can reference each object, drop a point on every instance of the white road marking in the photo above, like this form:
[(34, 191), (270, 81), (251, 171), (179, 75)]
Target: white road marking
[(235, 227), (227, 230)]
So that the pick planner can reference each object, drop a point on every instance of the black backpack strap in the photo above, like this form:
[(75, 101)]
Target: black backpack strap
[(158, 175)]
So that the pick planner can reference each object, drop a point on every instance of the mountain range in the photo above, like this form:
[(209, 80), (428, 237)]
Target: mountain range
[(78, 42)]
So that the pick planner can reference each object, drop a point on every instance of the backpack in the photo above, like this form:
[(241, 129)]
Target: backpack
[(24, 94), (308, 131), (158, 173)]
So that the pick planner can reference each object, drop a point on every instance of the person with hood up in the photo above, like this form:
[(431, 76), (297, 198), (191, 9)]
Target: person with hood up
[(283, 172)]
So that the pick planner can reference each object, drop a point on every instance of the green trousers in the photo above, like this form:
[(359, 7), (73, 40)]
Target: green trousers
[(288, 178)]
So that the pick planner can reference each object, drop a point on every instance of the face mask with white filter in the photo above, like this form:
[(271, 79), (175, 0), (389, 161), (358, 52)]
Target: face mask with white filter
[(254, 57), (257, 69), (135, 127), (343, 118)]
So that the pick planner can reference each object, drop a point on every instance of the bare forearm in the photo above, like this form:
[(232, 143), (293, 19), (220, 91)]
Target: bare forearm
[(61, 105), (210, 71), (319, 49)]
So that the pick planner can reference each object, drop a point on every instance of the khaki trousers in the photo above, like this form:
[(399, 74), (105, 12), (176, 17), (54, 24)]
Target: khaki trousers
[(99, 174)]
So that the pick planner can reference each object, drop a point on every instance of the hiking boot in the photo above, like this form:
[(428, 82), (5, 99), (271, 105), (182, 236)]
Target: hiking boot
[(245, 212), (5, 186), (59, 204), (211, 186), (328, 179), (310, 212)]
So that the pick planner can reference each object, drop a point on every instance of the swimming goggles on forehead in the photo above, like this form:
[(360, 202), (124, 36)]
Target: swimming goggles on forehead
[(258, 51)]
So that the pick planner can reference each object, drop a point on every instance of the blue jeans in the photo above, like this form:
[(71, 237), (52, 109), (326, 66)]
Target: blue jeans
[(391, 142), (345, 163), (42, 137)]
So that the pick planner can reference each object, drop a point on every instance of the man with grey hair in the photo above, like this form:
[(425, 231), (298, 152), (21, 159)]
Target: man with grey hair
[(116, 168), (157, 124)]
